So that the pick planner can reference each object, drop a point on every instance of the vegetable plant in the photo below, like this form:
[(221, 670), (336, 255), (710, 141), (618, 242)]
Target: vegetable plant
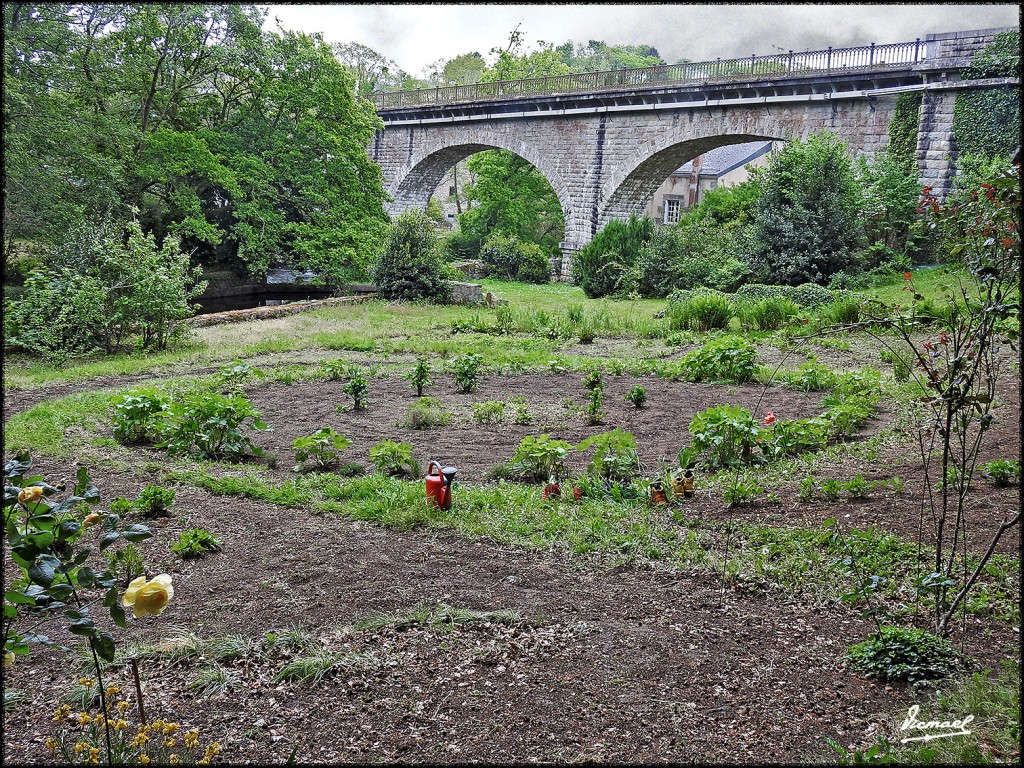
[(322, 448), (195, 542), (155, 501), (540, 457), (419, 376), (357, 388), (465, 369), (394, 459), (615, 455), (637, 396)]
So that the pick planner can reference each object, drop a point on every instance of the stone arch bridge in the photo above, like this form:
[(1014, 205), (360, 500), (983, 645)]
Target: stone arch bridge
[(606, 141)]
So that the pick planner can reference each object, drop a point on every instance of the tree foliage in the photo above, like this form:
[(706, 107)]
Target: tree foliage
[(248, 145), (607, 264), (412, 266), (805, 225)]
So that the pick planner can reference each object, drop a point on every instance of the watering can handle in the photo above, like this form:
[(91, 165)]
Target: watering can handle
[(434, 464)]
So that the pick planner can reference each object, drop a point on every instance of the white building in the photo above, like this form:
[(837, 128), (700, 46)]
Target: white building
[(722, 167)]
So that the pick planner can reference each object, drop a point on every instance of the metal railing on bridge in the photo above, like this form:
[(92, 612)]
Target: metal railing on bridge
[(829, 61)]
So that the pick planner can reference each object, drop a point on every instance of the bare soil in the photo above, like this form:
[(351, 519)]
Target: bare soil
[(635, 663)]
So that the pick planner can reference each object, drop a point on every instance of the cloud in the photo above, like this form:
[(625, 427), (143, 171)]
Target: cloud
[(416, 35)]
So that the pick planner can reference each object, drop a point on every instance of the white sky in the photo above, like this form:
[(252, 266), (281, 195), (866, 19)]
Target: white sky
[(418, 35)]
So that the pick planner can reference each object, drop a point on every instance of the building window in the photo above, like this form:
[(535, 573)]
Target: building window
[(672, 211)]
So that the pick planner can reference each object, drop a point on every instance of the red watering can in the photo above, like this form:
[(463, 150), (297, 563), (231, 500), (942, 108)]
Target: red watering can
[(439, 485)]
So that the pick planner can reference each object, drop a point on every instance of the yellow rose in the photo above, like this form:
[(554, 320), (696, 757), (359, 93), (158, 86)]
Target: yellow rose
[(31, 494), (148, 597), (91, 519), (9, 659)]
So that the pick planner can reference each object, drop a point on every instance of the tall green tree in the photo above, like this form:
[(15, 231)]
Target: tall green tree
[(248, 145), (806, 223)]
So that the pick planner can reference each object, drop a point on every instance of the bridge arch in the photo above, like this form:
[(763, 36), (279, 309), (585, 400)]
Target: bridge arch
[(632, 186), (420, 176)]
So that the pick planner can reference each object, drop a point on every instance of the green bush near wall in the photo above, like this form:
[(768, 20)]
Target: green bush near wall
[(987, 122)]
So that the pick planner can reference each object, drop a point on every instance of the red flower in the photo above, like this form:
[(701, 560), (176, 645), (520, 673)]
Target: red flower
[(907, 276), (943, 338), (926, 190), (928, 345), (806, 321), (769, 418)]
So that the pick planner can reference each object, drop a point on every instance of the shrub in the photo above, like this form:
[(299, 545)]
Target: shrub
[(907, 655), (136, 416), (106, 284), (691, 254), (593, 410), (725, 435), (419, 376), (593, 379), (412, 265), (425, 413), (805, 223), (700, 312), (465, 370), (510, 259), (728, 359), (394, 459), (155, 501), (323, 447), (1002, 472), (607, 264), (615, 455), (357, 388), (488, 412), (209, 426), (841, 312), (539, 458), (637, 396), (195, 542), (807, 295)]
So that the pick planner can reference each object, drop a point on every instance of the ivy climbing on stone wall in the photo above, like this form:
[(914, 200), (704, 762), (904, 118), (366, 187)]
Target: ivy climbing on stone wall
[(986, 122), (903, 130)]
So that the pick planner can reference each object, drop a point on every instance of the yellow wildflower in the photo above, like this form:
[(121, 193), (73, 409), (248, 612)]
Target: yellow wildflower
[(84, 719), (120, 725), (168, 742), (9, 659), (140, 740), (143, 759), (80, 747), (170, 728), (61, 714), (112, 689), (192, 739), (88, 682), (51, 743), (174, 759), (148, 597), (31, 494), (122, 706)]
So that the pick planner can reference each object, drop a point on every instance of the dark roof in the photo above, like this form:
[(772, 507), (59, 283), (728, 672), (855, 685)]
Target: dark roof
[(720, 161)]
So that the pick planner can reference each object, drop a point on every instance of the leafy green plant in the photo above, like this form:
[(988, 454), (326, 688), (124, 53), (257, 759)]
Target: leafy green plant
[(767, 314), (858, 488), (615, 455), (122, 506), (728, 359), (425, 413), (807, 488), (900, 367), (593, 379), (412, 264), (831, 488), (740, 493), (209, 425), (323, 447), (1002, 472), (593, 412), (155, 501), (790, 438), (488, 412), (520, 410), (540, 457), (419, 376), (334, 370), (465, 369), (231, 377), (637, 395), (394, 459), (136, 416), (909, 655), (725, 435), (809, 377), (357, 388), (195, 542), (587, 333), (125, 563)]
